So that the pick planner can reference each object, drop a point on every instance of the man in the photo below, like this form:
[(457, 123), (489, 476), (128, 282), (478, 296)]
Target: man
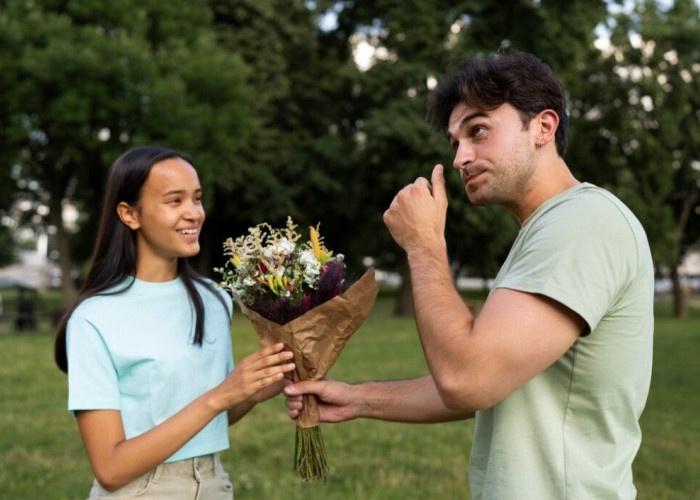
[(557, 365)]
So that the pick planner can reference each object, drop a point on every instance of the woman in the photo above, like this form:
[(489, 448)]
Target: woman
[(147, 344)]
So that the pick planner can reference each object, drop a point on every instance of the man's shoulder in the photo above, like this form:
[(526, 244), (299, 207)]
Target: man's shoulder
[(588, 204)]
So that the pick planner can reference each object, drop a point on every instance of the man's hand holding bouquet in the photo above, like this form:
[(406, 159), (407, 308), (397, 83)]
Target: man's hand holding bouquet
[(298, 294)]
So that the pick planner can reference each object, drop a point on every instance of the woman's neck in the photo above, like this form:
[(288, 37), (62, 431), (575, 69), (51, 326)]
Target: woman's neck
[(156, 271)]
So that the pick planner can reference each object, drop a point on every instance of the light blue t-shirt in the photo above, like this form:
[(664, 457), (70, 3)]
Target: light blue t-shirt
[(133, 351), (572, 431)]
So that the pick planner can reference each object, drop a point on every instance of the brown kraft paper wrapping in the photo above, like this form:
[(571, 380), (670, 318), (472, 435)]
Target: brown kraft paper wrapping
[(317, 336)]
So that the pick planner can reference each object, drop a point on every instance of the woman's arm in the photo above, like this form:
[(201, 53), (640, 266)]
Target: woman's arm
[(239, 411), (116, 460)]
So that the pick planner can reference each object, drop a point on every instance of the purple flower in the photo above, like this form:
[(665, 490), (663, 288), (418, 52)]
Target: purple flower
[(330, 284)]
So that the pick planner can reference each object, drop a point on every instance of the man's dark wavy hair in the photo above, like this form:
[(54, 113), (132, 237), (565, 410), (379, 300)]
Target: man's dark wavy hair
[(517, 78)]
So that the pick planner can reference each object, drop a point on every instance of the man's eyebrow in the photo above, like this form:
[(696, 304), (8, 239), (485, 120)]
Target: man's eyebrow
[(467, 119)]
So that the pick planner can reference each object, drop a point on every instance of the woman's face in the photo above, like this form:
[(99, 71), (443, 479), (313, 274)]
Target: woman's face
[(169, 215)]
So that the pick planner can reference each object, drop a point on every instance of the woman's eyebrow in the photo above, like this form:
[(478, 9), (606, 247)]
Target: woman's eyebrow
[(172, 192)]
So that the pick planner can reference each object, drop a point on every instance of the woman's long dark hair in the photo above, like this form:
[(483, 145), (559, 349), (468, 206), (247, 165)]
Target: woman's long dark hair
[(114, 256)]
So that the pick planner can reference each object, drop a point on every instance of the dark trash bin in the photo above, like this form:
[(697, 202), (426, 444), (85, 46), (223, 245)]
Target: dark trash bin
[(25, 314)]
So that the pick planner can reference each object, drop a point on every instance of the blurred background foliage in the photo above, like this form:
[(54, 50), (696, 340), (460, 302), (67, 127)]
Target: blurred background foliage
[(315, 109)]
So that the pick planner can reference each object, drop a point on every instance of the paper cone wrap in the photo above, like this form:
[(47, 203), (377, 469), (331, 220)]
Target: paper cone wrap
[(318, 336)]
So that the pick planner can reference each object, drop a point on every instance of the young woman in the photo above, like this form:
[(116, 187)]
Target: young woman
[(147, 344)]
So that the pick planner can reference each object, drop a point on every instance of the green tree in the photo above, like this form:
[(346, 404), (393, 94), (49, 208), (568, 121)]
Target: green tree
[(655, 60), (413, 44), (380, 141), (82, 81), (295, 71)]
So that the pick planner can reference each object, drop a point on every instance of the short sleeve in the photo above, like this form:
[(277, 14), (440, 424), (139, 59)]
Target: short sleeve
[(581, 258), (92, 378)]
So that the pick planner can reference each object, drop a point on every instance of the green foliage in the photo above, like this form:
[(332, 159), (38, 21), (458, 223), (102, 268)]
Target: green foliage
[(281, 122), (83, 81), (41, 455), (383, 107), (660, 53), (281, 174)]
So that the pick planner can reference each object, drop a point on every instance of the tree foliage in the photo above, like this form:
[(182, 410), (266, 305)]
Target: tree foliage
[(268, 98), (294, 77), (414, 43), (655, 59), (82, 81)]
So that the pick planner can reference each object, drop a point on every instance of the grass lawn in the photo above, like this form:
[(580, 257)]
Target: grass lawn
[(41, 455)]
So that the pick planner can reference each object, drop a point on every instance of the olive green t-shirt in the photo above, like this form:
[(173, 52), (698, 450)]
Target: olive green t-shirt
[(572, 432)]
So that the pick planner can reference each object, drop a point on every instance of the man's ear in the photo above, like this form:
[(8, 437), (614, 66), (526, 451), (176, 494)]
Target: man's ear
[(128, 215), (547, 122)]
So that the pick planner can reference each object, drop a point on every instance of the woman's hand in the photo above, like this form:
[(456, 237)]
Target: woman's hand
[(255, 378)]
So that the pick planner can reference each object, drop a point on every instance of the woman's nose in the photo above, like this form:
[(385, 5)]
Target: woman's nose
[(194, 211)]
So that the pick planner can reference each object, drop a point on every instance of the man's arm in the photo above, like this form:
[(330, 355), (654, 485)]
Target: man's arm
[(413, 401), (475, 362)]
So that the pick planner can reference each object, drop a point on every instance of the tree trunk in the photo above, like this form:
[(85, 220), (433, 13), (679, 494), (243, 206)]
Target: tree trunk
[(679, 309), (68, 291), (404, 300)]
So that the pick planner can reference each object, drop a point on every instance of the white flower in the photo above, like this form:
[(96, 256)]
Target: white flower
[(311, 266), (285, 247), (308, 259), (268, 253)]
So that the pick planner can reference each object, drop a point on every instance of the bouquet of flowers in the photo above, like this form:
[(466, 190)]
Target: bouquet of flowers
[(298, 293)]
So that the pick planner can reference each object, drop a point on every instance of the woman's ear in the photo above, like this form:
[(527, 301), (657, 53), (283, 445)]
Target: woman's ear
[(128, 215)]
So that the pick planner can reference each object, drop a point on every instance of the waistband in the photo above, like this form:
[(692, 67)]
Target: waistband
[(197, 467)]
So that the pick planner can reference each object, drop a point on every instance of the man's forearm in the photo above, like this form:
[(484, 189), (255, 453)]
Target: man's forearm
[(412, 401)]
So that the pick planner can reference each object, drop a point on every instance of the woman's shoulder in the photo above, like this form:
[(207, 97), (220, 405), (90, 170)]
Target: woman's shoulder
[(94, 306), (103, 300)]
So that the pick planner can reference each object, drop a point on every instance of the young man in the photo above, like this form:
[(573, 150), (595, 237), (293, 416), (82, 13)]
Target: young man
[(557, 365)]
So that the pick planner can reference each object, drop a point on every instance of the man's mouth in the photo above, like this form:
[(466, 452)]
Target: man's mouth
[(468, 176)]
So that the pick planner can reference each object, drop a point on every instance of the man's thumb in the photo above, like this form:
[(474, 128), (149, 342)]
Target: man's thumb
[(438, 182)]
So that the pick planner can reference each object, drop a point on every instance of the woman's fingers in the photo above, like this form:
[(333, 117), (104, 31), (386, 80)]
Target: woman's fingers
[(268, 365), (267, 357)]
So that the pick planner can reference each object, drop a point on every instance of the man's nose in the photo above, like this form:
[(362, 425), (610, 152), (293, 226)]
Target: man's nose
[(464, 155)]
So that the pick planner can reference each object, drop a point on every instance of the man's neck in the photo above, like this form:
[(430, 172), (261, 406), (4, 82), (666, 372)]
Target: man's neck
[(551, 179)]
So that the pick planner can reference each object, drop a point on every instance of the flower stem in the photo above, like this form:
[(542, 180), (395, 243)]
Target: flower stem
[(310, 454)]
